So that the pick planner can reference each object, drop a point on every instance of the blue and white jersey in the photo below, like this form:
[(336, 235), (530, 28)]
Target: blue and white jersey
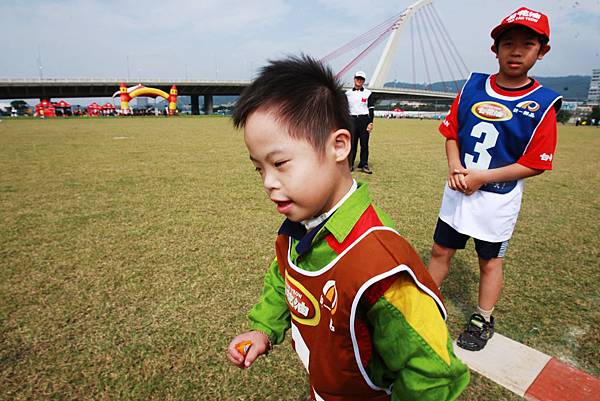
[(495, 128)]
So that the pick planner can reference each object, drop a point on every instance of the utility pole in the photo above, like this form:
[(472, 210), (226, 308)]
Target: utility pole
[(40, 66)]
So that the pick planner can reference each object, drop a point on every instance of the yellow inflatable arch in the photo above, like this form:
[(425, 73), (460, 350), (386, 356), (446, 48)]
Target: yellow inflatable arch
[(126, 94), (149, 92)]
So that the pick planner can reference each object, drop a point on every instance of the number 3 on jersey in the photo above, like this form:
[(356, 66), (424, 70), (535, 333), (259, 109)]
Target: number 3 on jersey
[(490, 136)]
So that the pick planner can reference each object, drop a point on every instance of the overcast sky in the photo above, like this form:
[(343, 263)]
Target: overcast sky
[(231, 39)]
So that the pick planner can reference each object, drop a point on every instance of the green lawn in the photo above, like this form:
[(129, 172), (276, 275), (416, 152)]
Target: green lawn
[(131, 249)]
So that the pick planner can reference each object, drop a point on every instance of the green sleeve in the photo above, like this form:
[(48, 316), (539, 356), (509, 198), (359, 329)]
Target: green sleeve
[(271, 314), (405, 359)]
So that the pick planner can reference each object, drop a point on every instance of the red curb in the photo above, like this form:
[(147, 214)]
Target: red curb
[(561, 382)]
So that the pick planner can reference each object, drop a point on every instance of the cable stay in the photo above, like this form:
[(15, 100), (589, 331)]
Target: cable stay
[(442, 50), (462, 68), (424, 21)]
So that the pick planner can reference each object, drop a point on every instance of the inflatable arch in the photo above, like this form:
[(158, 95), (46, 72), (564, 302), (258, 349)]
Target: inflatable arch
[(126, 94)]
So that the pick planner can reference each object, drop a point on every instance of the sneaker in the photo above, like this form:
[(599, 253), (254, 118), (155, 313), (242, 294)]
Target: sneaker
[(366, 169), (477, 333)]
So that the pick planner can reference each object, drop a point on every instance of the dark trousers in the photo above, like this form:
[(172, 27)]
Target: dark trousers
[(360, 134)]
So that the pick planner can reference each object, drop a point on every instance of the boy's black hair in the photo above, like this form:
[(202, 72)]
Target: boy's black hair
[(543, 39), (303, 95)]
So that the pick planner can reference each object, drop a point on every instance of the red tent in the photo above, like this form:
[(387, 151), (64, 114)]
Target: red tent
[(108, 109), (63, 108), (93, 109), (44, 109)]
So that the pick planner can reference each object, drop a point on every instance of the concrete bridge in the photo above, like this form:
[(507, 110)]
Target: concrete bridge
[(74, 88)]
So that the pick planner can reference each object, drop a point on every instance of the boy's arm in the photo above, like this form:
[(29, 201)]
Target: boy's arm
[(535, 160), (449, 129), (411, 338), (271, 315), (456, 180), (474, 179), (371, 106)]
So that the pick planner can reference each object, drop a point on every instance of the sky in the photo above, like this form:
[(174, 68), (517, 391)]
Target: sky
[(232, 39)]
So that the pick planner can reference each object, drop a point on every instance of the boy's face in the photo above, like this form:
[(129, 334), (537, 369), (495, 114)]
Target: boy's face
[(517, 52), (300, 181)]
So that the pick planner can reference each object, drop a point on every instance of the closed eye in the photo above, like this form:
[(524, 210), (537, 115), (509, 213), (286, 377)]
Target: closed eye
[(280, 163)]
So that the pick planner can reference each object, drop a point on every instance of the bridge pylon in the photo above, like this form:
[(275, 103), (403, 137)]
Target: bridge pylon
[(383, 66)]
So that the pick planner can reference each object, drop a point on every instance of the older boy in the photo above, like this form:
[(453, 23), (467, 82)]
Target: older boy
[(367, 320), (500, 130)]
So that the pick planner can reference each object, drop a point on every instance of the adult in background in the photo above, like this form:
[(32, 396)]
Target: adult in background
[(361, 105)]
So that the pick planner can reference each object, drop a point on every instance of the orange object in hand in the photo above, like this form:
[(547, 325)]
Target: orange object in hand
[(243, 346)]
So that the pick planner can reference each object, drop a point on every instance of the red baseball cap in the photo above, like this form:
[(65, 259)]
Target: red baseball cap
[(524, 16)]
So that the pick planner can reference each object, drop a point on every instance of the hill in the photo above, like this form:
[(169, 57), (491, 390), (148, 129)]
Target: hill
[(572, 87)]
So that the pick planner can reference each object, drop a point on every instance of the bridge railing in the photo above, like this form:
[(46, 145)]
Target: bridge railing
[(414, 91)]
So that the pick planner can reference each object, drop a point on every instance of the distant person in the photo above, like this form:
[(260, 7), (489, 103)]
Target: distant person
[(500, 130), (366, 319), (362, 109)]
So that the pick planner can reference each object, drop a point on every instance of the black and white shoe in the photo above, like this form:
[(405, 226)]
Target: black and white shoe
[(477, 333), (366, 169)]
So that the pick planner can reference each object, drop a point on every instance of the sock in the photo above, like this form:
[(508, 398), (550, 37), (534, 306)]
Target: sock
[(487, 314)]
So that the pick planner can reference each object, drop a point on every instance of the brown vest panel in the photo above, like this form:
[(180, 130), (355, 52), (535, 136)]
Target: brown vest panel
[(323, 305)]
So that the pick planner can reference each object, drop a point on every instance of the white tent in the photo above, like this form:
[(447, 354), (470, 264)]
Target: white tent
[(5, 107)]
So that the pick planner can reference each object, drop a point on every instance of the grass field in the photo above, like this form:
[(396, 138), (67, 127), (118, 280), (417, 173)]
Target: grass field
[(131, 249)]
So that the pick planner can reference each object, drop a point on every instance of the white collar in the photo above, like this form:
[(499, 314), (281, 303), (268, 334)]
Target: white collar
[(309, 224)]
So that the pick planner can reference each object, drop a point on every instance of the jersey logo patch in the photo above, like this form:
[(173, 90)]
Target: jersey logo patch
[(329, 296), (527, 108), (329, 300), (491, 111), (302, 304), (529, 105)]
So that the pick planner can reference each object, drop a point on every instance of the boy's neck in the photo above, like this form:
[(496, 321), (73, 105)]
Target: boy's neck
[(350, 186), (509, 82)]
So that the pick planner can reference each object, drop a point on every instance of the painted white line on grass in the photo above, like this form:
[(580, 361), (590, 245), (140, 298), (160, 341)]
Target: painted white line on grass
[(506, 362), (530, 373)]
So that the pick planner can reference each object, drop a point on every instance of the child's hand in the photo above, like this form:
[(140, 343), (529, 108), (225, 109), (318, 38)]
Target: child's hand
[(474, 179), (456, 180), (260, 344)]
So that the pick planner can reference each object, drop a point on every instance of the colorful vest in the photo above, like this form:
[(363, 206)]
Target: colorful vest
[(323, 306), (495, 130)]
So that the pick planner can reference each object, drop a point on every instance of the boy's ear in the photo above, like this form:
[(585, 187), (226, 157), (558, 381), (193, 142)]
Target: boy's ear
[(341, 144), (543, 50), (494, 49)]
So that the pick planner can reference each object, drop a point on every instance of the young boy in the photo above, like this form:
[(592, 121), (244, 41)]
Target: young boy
[(500, 130), (367, 320)]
